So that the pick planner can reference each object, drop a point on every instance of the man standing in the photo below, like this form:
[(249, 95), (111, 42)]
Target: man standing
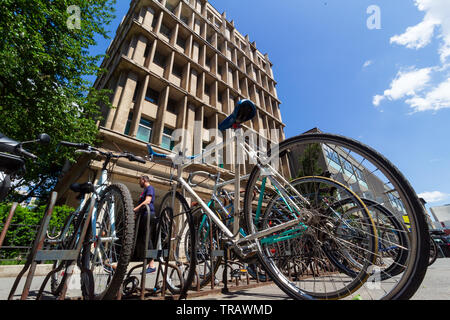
[(147, 198)]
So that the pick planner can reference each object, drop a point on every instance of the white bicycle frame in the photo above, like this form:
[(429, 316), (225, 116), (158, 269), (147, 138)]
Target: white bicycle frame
[(234, 235)]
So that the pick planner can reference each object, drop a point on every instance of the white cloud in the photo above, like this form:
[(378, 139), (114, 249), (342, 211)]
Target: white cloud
[(436, 99), (406, 83), (436, 19), (434, 196), (426, 89), (418, 36), (367, 63)]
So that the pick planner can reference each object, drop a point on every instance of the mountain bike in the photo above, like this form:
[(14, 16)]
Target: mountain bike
[(107, 246), (12, 160), (306, 225)]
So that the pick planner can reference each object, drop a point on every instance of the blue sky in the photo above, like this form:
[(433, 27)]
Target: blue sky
[(330, 67)]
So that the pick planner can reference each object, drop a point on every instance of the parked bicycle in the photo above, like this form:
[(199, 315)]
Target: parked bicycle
[(107, 246), (307, 221), (12, 160)]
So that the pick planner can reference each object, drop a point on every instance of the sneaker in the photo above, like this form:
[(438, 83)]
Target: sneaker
[(151, 270)]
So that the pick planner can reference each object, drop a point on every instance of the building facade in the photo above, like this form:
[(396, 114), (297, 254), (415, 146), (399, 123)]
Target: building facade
[(177, 64)]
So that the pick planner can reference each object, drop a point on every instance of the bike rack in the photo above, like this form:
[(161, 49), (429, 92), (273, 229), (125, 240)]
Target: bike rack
[(8, 222), (37, 254)]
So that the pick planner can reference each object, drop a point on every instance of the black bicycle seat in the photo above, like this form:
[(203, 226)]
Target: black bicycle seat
[(84, 188), (10, 163), (244, 111)]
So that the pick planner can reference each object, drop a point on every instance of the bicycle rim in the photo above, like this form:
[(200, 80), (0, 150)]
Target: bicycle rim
[(368, 175)]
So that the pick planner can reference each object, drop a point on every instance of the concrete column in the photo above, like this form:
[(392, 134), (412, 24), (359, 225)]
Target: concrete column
[(116, 100), (151, 56), (141, 45), (174, 37), (148, 17), (201, 86), (198, 129), (169, 68), (158, 126), (189, 126), (126, 101), (214, 93), (178, 9), (159, 23), (137, 110), (186, 76)]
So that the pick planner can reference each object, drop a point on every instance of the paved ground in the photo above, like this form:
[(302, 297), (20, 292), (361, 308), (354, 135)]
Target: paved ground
[(436, 286)]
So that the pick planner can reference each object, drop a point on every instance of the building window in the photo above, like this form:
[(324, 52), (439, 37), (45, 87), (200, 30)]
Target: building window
[(207, 89), (333, 158), (181, 42), (185, 20), (152, 96), (205, 122), (172, 106), (128, 125), (170, 7), (147, 50), (136, 91), (160, 60), (177, 71), (166, 31), (145, 130), (167, 142)]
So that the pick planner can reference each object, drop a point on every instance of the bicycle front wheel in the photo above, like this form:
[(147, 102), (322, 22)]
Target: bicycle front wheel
[(362, 173), (108, 246)]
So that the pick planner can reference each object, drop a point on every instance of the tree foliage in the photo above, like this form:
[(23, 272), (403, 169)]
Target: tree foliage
[(44, 67), (25, 222)]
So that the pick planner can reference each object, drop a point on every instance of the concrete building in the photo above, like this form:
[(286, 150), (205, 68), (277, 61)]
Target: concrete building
[(442, 215), (177, 64)]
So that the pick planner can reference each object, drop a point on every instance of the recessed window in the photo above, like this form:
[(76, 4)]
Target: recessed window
[(145, 130), (152, 96), (177, 71), (172, 106), (128, 125), (167, 142), (160, 60), (165, 30), (181, 42)]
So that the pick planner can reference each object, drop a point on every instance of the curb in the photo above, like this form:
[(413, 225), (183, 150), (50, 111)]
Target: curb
[(14, 270)]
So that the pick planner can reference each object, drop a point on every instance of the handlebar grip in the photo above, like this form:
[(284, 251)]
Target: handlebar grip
[(137, 159), (74, 145)]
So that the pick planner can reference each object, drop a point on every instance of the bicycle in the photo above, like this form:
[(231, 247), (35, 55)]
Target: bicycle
[(209, 238), (303, 221), (12, 160), (107, 246)]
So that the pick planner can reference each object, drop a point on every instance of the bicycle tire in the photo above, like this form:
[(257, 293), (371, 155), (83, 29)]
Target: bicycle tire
[(114, 276), (396, 266), (58, 279), (415, 270), (433, 252), (183, 252)]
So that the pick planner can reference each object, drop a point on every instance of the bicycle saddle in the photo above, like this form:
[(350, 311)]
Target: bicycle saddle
[(244, 111), (82, 188), (7, 144)]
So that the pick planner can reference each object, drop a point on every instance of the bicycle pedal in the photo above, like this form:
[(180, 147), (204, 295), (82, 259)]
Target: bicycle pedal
[(238, 272)]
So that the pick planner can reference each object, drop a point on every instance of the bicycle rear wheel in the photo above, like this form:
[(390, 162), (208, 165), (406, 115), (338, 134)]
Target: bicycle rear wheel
[(177, 233), (105, 257), (365, 174)]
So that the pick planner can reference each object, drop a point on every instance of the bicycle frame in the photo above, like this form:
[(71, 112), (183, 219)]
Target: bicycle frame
[(234, 235)]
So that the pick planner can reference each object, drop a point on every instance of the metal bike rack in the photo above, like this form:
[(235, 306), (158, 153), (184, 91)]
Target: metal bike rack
[(8, 222), (39, 254)]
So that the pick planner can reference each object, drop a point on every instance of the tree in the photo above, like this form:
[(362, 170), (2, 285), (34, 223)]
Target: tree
[(44, 66)]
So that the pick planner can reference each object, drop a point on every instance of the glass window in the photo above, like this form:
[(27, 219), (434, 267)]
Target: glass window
[(145, 130), (360, 174), (177, 71), (160, 60), (128, 125), (165, 30), (172, 106), (152, 96), (347, 166), (167, 142), (331, 154)]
